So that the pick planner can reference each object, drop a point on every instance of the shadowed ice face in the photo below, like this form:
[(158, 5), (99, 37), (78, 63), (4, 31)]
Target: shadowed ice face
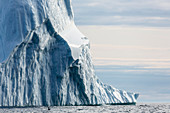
[(18, 18)]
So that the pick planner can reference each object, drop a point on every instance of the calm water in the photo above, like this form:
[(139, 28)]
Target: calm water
[(139, 108)]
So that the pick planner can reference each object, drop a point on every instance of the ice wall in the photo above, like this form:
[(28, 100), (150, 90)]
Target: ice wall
[(45, 59), (19, 17)]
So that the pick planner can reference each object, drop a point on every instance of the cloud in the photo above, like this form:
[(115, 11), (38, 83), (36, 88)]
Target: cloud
[(130, 55), (145, 64), (151, 84), (142, 43), (93, 4), (122, 12), (128, 47)]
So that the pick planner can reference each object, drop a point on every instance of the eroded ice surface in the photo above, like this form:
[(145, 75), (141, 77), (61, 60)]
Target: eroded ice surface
[(45, 59), (19, 17)]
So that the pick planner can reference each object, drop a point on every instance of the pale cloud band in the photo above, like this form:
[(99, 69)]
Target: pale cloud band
[(143, 49)]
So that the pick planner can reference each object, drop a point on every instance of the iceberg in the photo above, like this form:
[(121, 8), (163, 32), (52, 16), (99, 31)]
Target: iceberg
[(45, 60)]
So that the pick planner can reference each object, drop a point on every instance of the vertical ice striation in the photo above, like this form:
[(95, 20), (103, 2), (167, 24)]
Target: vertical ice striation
[(45, 59), (19, 17)]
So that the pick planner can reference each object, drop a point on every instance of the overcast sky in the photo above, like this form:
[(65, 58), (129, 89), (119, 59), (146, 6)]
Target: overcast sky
[(135, 59), (155, 13)]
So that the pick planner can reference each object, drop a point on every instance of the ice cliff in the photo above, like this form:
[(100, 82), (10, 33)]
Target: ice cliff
[(45, 59)]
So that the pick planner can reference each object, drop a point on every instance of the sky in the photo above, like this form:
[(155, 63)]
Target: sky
[(129, 44), (122, 12), (134, 59)]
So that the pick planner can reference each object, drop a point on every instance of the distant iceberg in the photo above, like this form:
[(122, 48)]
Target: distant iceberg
[(45, 60)]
